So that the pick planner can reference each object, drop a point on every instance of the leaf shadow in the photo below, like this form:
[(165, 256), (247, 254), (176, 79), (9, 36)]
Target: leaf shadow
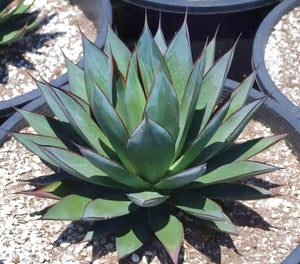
[(15, 53), (199, 238)]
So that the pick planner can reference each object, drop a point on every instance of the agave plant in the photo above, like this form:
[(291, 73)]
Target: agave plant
[(142, 136), (15, 21)]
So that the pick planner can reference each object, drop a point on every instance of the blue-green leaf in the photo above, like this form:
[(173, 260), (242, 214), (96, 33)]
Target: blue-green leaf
[(114, 170), (101, 209), (69, 208), (147, 199), (119, 51), (181, 179), (150, 151), (131, 100), (179, 60), (168, 229), (149, 59), (235, 171), (199, 206), (211, 87), (162, 105)]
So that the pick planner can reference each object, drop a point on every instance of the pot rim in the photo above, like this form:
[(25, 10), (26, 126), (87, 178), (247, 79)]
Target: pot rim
[(260, 41), (202, 6)]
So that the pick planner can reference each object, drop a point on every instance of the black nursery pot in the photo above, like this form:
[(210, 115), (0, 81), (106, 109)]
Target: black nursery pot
[(202, 6), (263, 78)]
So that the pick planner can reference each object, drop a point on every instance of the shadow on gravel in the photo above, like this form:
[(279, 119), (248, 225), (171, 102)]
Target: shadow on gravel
[(14, 54), (200, 238)]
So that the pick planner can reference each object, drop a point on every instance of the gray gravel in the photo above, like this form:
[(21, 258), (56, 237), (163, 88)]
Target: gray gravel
[(282, 55), (24, 239)]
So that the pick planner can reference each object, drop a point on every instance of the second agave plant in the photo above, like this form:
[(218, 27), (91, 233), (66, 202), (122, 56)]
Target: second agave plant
[(141, 136)]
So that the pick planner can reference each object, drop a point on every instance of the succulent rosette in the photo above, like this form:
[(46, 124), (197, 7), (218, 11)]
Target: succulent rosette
[(143, 135)]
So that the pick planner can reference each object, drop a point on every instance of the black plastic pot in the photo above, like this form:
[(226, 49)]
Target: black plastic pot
[(202, 6), (294, 257), (98, 11), (263, 78)]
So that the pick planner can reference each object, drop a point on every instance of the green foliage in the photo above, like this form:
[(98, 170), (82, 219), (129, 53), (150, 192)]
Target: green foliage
[(141, 136), (15, 21)]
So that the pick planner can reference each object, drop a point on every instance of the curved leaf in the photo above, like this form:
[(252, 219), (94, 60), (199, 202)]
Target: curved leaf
[(101, 209), (199, 206), (162, 105), (150, 151), (229, 130), (235, 171), (149, 59), (133, 235), (179, 60), (119, 51), (168, 229), (160, 39), (78, 166), (147, 199), (114, 170), (211, 87), (234, 191), (188, 104), (131, 100), (110, 123), (181, 179), (69, 208), (96, 69), (76, 81)]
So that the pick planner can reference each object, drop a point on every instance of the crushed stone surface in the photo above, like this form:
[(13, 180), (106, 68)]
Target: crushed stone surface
[(269, 231), (282, 55)]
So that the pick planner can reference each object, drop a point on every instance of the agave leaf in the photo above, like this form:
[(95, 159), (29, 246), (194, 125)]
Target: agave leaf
[(188, 104), (32, 142), (31, 25), (168, 229), (101, 209), (47, 191), (199, 206), (147, 199), (96, 70), (210, 53), (149, 59), (76, 81), (12, 7), (181, 179), (119, 51), (162, 105), (131, 100), (234, 191), (160, 39), (150, 150), (197, 145), (81, 121), (133, 235), (22, 6), (105, 228), (78, 166), (111, 124), (245, 150), (114, 170), (229, 130), (9, 37), (235, 171), (239, 96), (225, 225), (211, 87), (179, 60), (69, 208), (50, 127), (50, 97)]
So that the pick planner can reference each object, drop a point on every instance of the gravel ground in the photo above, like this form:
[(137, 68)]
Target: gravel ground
[(268, 233), (40, 54), (282, 55)]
